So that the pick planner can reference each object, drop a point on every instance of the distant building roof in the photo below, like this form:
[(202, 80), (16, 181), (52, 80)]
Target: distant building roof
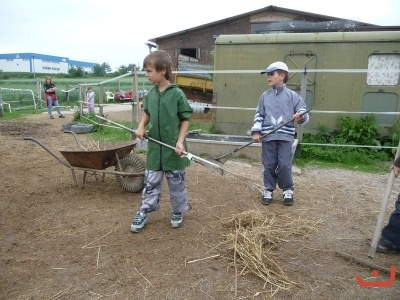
[(270, 8), (29, 55)]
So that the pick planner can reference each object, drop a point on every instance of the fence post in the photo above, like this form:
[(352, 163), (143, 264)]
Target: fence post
[(39, 92), (303, 94), (81, 99), (135, 94), (1, 106), (101, 101)]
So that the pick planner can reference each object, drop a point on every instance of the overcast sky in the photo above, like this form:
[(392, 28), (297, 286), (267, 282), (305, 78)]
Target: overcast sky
[(116, 31)]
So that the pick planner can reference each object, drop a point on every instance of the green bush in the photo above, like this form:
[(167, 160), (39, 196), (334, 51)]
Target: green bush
[(352, 131)]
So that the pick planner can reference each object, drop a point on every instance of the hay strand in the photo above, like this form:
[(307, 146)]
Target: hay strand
[(204, 258), (91, 145)]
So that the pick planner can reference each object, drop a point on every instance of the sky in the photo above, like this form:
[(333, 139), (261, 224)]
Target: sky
[(116, 31)]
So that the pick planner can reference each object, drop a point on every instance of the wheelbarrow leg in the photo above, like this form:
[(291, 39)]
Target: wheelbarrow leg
[(74, 177), (84, 178)]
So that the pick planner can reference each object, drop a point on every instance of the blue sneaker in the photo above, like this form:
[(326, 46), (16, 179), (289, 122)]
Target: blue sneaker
[(139, 221), (176, 220)]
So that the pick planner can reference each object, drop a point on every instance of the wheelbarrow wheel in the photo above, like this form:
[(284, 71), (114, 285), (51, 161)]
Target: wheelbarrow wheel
[(131, 164)]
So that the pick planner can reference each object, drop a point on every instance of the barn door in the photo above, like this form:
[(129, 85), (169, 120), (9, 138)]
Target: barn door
[(299, 61)]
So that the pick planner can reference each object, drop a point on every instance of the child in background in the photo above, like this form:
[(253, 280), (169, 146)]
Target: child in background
[(167, 112), (278, 105), (90, 99)]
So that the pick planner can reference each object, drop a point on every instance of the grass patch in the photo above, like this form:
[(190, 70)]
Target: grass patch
[(377, 167), (16, 114)]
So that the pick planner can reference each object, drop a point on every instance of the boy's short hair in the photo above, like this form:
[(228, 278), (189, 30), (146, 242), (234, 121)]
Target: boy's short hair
[(160, 60)]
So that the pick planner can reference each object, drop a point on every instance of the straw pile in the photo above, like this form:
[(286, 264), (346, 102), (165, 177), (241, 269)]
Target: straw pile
[(252, 238)]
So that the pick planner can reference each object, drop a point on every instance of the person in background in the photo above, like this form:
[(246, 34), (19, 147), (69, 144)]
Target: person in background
[(51, 98), (90, 99), (277, 105), (167, 112), (390, 236)]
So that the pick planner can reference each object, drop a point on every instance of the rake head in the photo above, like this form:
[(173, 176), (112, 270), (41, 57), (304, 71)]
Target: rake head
[(206, 163), (224, 157)]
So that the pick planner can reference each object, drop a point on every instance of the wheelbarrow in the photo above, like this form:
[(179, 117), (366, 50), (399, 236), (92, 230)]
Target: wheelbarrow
[(129, 168)]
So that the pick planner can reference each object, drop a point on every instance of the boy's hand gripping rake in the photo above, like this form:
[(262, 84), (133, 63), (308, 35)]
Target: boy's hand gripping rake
[(190, 156), (224, 157)]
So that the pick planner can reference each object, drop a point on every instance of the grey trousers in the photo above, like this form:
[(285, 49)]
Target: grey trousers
[(152, 191), (277, 163)]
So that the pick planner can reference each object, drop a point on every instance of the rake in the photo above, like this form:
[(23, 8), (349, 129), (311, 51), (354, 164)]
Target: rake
[(224, 157), (189, 156)]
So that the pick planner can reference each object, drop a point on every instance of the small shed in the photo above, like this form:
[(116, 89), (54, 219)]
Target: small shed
[(345, 71)]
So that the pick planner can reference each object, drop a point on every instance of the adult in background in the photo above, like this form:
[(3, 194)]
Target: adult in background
[(390, 236), (278, 105), (51, 98)]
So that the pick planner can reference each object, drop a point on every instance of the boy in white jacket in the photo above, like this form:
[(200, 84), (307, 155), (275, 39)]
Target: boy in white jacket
[(278, 105)]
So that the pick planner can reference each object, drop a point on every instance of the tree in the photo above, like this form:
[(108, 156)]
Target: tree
[(106, 67), (98, 70), (123, 69), (101, 70), (76, 72)]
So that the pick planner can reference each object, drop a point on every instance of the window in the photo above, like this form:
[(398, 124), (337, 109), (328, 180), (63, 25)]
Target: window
[(380, 102), (389, 62), (191, 52)]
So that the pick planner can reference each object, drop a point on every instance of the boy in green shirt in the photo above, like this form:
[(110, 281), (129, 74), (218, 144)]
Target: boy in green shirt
[(167, 113)]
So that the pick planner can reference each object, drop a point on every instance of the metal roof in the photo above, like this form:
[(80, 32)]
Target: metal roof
[(270, 8), (313, 37)]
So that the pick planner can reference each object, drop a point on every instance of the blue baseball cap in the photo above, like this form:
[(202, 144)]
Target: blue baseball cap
[(276, 66)]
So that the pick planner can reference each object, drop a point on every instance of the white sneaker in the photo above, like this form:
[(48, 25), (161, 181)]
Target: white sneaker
[(139, 221), (176, 220), (288, 197), (266, 197)]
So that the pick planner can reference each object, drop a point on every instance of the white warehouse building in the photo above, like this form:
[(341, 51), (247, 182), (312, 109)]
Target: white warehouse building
[(40, 63)]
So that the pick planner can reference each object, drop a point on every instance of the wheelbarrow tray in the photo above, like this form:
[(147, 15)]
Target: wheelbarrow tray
[(97, 159)]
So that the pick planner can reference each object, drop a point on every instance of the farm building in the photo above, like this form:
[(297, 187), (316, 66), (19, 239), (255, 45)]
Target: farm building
[(356, 72), (40, 63), (197, 43), (195, 46)]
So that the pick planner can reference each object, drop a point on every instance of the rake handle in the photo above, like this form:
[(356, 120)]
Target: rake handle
[(268, 133), (133, 131), (187, 154)]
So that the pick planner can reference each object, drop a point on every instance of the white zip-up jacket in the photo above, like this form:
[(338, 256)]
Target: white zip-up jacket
[(275, 107)]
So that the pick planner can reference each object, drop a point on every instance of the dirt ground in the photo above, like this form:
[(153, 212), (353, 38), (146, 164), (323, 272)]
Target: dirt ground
[(64, 242)]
